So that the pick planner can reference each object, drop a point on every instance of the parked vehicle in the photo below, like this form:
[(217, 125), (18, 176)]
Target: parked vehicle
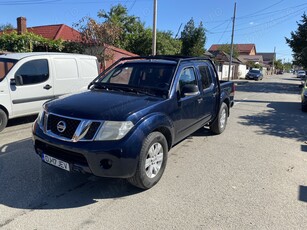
[(304, 96), (280, 72), (27, 80), (301, 74), (254, 74), (132, 115)]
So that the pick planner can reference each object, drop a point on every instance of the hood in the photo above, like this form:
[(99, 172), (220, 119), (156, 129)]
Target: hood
[(101, 105), (254, 74)]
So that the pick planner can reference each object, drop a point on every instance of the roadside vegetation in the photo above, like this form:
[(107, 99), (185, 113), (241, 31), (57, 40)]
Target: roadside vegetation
[(117, 28)]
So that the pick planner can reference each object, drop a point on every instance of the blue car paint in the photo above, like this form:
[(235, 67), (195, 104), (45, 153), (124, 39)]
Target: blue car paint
[(175, 118)]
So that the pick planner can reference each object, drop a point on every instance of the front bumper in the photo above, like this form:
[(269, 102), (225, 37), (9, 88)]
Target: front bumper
[(101, 158), (252, 77)]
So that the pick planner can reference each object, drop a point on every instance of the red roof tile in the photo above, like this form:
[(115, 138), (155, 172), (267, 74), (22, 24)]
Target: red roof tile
[(242, 48), (53, 32)]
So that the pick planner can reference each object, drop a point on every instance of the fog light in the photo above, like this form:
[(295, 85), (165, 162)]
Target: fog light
[(106, 163)]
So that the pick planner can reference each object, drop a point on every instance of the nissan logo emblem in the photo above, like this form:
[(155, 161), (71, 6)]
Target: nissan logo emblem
[(61, 126)]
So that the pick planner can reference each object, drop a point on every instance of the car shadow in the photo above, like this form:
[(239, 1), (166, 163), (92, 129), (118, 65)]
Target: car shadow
[(283, 119), (28, 183), (21, 120)]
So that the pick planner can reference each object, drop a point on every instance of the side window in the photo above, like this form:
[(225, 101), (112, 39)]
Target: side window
[(34, 72), (121, 77), (206, 79), (187, 77)]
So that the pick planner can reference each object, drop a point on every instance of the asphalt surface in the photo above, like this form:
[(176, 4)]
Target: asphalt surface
[(253, 176)]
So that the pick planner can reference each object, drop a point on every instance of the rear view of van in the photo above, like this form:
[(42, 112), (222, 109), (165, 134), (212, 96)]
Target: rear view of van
[(27, 80)]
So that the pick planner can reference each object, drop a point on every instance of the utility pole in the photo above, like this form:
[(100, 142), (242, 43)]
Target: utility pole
[(154, 32), (274, 61), (232, 34)]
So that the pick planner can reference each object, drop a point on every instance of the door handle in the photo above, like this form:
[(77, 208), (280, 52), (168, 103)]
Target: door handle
[(47, 87), (199, 100)]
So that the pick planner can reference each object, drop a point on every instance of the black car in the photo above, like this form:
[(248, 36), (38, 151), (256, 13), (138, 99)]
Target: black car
[(254, 74)]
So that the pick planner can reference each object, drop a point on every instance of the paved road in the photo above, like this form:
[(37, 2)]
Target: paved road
[(252, 176)]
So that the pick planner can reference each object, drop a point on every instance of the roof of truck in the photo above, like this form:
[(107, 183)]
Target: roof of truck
[(18, 56)]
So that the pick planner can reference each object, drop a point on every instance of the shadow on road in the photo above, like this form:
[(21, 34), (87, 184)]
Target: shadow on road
[(28, 183), (21, 120), (284, 119), (302, 193)]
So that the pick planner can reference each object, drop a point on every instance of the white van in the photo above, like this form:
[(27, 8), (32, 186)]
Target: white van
[(27, 80)]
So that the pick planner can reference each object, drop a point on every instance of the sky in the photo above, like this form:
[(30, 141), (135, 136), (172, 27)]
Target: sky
[(264, 23)]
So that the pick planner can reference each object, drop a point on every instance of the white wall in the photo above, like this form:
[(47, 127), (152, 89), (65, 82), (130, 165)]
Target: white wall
[(242, 71)]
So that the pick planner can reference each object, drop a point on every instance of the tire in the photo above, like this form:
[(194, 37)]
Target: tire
[(3, 120), (152, 161), (304, 108), (219, 125)]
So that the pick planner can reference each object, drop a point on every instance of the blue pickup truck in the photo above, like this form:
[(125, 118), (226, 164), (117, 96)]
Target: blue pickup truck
[(132, 114)]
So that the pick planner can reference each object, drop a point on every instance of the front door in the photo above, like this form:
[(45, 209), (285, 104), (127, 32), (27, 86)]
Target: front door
[(188, 112), (30, 87)]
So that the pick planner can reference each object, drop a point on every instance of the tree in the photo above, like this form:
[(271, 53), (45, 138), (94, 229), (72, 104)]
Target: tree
[(97, 36), (118, 17), (133, 36), (298, 42), (193, 39), (278, 64), (227, 49), (28, 42), (7, 26)]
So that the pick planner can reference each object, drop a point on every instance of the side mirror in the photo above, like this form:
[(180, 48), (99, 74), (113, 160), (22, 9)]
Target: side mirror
[(189, 90), (18, 80)]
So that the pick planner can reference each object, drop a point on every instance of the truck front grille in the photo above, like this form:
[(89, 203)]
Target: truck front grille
[(71, 125), (70, 129)]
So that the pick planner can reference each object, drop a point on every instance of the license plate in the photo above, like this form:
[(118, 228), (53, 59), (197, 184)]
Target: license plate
[(56, 162)]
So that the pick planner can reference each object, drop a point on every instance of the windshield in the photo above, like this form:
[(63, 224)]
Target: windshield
[(140, 75), (254, 71), (5, 66)]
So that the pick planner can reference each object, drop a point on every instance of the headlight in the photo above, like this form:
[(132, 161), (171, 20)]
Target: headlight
[(113, 130), (40, 119)]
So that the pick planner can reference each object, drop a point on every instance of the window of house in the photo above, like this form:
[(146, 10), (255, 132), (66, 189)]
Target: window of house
[(34, 72)]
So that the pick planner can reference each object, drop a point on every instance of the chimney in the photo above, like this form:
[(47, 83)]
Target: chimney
[(21, 25)]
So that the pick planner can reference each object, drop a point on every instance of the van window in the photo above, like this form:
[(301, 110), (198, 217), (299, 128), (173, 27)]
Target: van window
[(34, 72), (206, 79), (65, 68), (5, 66)]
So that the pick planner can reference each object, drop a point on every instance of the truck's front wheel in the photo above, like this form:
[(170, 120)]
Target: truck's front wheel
[(152, 161), (3, 120), (219, 125)]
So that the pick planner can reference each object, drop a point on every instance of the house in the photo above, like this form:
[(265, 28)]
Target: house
[(243, 49), (268, 58), (66, 33), (222, 60)]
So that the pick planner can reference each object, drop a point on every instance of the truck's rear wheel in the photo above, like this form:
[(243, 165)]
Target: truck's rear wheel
[(152, 161), (219, 125), (3, 120)]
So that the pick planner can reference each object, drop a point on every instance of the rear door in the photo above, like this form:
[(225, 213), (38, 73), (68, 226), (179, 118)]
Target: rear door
[(30, 86), (209, 91)]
